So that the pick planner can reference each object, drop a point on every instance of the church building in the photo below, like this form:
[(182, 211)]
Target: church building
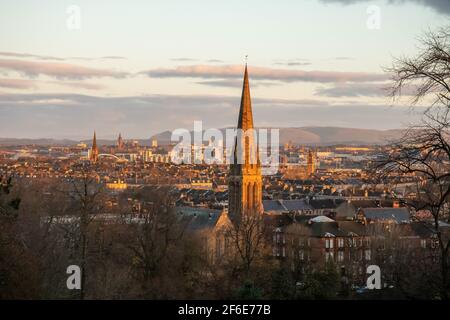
[(245, 180)]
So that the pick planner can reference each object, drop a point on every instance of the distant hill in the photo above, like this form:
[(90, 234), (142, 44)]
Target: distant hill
[(336, 135), (321, 136), (41, 142), (303, 135)]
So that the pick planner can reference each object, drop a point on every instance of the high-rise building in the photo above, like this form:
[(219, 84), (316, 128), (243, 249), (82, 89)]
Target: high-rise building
[(245, 181), (93, 156), (311, 163)]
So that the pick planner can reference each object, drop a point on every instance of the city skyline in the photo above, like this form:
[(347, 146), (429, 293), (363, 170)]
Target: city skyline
[(59, 82), (200, 152)]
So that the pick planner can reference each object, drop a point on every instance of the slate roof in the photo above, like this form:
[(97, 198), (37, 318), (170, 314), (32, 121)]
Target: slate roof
[(198, 218), (400, 215), (353, 227), (273, 205), (292, 205), (372, 203), (320, 229), (325, 203), (300, 204), (345, 210)]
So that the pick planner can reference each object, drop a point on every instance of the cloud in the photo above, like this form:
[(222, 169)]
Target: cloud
[(215, 61), (17, 83), (362, 90), (440, 6), (28, 55), (228, 83), (76, 116), (80, 85), (235, 83), (97, 59), (353, 90), (57, 70), (32, 84), (43, 57), (292, 63), (344, 58), (150, 100), (183, 59), (262, 73)]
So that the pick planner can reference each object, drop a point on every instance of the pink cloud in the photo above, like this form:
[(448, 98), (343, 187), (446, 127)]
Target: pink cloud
[(263, 73), (57, 70), (17, 83)]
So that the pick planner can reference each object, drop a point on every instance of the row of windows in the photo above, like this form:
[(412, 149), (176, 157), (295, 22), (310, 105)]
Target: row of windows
[(279, 238), (340, 242), (329, 255)]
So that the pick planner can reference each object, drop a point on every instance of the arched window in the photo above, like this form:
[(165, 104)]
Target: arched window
[(255, 193), (249, 195), (247, 150)]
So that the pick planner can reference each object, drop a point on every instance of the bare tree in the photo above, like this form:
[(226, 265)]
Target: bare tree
[(85, 196), (151, 237), (426, 74), (424, 150), (394, 250), (18, 273), (248, 236)]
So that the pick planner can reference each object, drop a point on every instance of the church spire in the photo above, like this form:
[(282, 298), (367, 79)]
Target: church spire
[(94, 141), (245, 121), (245, 180), (120, 141), (93, 156)]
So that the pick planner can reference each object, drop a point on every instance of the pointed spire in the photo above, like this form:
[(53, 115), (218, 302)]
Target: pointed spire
[(93, 156), (94, 141), (245, 113)]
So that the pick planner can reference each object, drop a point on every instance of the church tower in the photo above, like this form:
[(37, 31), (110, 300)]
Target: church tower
[(120, 143), (93, 156), (245, 181)]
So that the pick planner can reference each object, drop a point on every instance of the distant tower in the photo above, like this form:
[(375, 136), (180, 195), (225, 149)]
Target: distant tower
[(311, 165), (245, 181), (154, 143), (120, 143), (94, 150)]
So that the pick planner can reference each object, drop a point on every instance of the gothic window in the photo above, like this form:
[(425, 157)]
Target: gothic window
[(249, 195), (255, 193), (247, 150)]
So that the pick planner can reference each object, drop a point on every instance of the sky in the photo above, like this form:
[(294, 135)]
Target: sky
[(140, 67)]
